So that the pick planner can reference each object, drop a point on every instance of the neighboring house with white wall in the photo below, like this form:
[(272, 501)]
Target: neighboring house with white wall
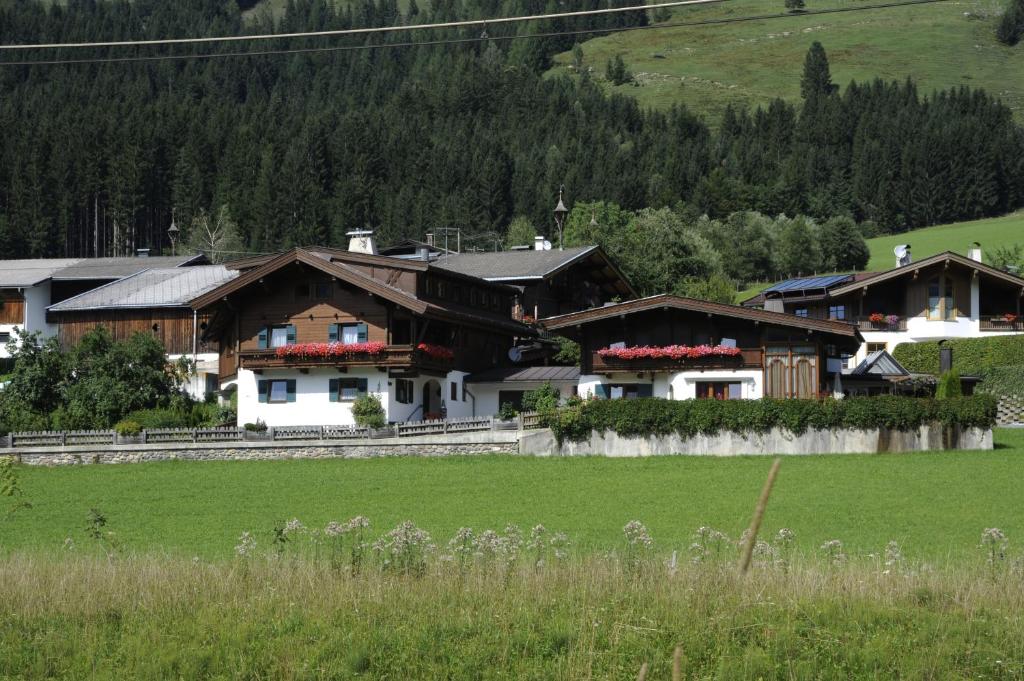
[(156, 302), (29, 287), (947, 295), (303, 333), (681, 348), (24, 294), (491, 388)]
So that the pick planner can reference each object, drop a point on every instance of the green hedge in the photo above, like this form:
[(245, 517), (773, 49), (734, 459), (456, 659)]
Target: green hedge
[(655, 416), (971, 356), (1002, 381)]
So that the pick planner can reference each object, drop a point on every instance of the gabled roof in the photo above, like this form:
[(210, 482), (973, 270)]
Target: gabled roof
[(24, 273), (164, 287), (524, 265), (691, 304), (329, 265), (116, 268), (879, 363), (946, 257)]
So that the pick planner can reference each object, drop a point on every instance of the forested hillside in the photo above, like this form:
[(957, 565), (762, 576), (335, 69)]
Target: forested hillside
[(96, 157)]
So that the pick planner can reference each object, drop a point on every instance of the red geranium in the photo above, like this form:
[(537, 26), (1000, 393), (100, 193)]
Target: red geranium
[(876, 317), (436, 351), (1009, 318), (675, 352), (325, 350)]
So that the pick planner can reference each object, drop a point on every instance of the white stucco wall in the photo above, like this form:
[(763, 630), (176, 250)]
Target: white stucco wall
[(684, 384), (313, 406), (206, 363), (680, 385), (37, 298)]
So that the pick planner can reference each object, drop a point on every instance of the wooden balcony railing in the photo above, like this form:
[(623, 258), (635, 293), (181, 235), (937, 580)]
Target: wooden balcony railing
[(398, 356), (748, 358), (1000, 323), (865, 324)]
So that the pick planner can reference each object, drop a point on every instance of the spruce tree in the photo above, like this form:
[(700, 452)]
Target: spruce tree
[(817, 80)]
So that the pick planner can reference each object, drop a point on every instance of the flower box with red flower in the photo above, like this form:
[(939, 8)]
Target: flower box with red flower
[(1010, 318), (876, 318), (437, 352), (653, 356), (329, 350)]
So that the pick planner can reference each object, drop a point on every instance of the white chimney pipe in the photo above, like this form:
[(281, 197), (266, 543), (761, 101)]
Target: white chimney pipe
[(538, 243), (974, 252)]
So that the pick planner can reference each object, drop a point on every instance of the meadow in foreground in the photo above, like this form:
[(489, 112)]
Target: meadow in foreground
[(332, 603)]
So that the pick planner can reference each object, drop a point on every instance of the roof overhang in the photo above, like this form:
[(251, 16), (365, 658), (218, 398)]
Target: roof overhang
[(942, 258), (666, 301)]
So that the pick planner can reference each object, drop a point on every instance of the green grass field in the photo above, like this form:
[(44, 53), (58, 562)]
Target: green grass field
[(750, 63), (934, 504), (956, 237)]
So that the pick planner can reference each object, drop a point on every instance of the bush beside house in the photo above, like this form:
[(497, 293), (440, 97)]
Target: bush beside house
[(998, 361)]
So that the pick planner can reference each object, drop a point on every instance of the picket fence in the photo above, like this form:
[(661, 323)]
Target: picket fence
[(68, 438)]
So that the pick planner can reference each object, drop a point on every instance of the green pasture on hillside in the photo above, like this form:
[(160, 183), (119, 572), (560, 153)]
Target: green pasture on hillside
[(934, 504), (749, 63)]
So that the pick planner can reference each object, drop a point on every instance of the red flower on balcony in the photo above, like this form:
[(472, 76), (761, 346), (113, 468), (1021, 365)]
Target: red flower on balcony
[(1009, 318), (326, 350), (436, 351), (876, 317), (675, 352)]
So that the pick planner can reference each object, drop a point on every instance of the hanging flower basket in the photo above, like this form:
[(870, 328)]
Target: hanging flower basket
[(436, 351), (675, 352), (327, 350)]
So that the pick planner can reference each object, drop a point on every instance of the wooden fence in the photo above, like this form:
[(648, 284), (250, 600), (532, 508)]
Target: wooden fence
[(525, 421)]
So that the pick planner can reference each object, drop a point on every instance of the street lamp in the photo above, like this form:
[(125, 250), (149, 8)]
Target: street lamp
[(172, 232), (560, 212)]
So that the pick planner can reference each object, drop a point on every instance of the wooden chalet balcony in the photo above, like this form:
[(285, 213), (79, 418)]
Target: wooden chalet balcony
[(749, 358), (1000, 323), (865, 324), (393, 356)]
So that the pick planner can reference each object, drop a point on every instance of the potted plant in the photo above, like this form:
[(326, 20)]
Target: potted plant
[(128, 432), (1009, 318), (876, 318), (892, 319), (256, 431)]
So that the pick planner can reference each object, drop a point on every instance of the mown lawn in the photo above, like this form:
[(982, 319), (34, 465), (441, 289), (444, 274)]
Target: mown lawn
[(934, 504)]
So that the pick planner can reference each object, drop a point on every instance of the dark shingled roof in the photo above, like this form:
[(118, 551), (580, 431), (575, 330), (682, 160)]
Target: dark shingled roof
[(512, 265), (525, 374)]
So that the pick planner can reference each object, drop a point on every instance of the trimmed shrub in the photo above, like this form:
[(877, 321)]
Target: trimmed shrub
[(971, 356), (259, 427), (949, 385), (544, 398), (655, 416), (368, 411)]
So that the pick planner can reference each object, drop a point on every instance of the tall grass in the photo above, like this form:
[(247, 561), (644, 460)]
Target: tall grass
[(290, 615)]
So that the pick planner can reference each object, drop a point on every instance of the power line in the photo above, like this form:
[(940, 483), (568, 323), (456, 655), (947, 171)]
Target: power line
[(360, 31), (457, 41)]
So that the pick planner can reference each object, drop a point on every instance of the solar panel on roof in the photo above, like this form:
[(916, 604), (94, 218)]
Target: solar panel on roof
[(808, 283)]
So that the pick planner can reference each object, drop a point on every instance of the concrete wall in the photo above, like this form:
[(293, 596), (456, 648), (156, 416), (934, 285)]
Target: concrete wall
[(451, 444), (777, 441)]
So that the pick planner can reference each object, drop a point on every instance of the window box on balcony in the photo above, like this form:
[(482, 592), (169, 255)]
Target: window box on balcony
[(675, 356)]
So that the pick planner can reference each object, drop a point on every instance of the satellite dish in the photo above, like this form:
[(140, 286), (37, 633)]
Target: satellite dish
[(547, 245), (515, 354), (900, 250)]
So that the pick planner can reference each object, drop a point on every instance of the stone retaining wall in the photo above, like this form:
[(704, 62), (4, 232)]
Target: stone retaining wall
[(497, 442), (777, 441)]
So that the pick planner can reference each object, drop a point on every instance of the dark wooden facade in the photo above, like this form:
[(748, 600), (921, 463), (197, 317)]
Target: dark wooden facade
[(792, 352), (417, 304), (175, 327), (12, 307)]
